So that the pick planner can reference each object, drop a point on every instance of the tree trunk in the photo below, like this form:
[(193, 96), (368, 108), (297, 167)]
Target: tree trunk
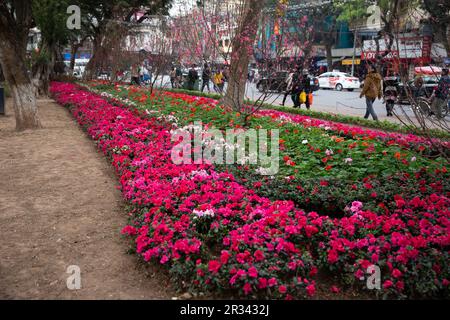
[(328, 49), (12, 58), (73, 52), (242, 50)]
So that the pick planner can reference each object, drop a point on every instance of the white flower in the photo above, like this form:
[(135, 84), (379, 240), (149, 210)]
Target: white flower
[(413, 159), (305, 141), (201, 214), (348, 160)]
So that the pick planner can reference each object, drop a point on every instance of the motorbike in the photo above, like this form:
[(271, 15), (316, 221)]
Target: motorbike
[(390, 94)]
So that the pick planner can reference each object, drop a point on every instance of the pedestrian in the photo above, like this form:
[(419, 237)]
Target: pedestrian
[(418, 90), (296, 88), (306, 88), (371, 90), (206, 77), (142, 73), (251, 76), (192, 77), (173, 75), (135, 74), (178, 77), (218, 81), (288, 82), (440, 95)]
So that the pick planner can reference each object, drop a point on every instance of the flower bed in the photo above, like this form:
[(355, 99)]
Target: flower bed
[(214, 233)]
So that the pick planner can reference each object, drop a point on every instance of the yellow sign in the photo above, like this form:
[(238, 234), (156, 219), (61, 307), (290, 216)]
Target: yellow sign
[(347, 62)]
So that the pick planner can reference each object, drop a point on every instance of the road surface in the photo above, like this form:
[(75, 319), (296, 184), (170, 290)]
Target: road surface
[(325, 100)]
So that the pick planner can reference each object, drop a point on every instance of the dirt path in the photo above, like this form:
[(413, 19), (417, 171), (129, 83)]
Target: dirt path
[(59, 207)]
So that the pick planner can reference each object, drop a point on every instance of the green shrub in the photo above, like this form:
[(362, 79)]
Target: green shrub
[(382, 125)]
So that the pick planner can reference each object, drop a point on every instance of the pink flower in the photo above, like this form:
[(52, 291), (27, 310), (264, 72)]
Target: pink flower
[(387, 284), (262, 283), (311, 290), (272, 282), (214, 266), (247, 288), (396, 273), (282, 289), (252, 272)]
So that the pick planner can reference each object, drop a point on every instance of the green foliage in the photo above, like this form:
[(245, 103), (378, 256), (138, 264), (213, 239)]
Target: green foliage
[(351, 9), (382, 125), (50, 17)]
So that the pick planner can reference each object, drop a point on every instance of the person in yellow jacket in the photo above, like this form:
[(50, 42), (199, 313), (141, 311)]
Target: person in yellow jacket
[(371, 90), (218, 81)]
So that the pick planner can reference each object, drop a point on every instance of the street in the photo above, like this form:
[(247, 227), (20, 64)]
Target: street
[(325, 100)]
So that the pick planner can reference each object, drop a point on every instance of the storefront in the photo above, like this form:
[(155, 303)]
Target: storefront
[(405, 53)]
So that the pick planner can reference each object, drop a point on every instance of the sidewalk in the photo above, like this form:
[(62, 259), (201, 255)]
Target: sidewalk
[(59, 207)]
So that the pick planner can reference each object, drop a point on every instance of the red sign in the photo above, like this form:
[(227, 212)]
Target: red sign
[(372, 55)]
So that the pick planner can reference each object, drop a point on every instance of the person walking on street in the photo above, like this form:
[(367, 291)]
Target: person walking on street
[(173, 75), (135, 74), (206, 77), (192, 77), (306, 87), (371, 90), (218, 81), (296, 88), (178, 77), (288, 81), (440, 95)]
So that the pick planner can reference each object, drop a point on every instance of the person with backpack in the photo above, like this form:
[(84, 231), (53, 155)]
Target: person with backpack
[(206, 76), (192, 78), (371, 90)]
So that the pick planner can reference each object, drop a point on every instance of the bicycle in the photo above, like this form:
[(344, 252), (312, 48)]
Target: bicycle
[(425, 106)]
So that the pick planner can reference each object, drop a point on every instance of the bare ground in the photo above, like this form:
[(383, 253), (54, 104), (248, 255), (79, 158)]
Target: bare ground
[(59, 207)]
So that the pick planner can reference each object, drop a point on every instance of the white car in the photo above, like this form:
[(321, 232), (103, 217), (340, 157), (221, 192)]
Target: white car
[(338, 81)]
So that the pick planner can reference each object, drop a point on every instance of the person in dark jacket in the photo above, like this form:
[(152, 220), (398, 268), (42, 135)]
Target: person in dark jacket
[(306, 87), (206, 77), (192, 77), (296, 88), (440, 95)]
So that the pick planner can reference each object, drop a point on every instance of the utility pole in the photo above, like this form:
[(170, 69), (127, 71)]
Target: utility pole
[(354, 51)]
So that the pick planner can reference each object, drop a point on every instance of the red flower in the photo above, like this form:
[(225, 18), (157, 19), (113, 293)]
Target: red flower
[(387, 284), (310, 290), (259, 255), (214, 266), (396, 273), (272, 282), (282, 289), (253, 272), (262, 283), (247, 288)]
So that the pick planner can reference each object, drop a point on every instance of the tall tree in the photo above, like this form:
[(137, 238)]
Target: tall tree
[(107, 20), (243, 45), (50, 17), (15, 21), (439, 11)]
